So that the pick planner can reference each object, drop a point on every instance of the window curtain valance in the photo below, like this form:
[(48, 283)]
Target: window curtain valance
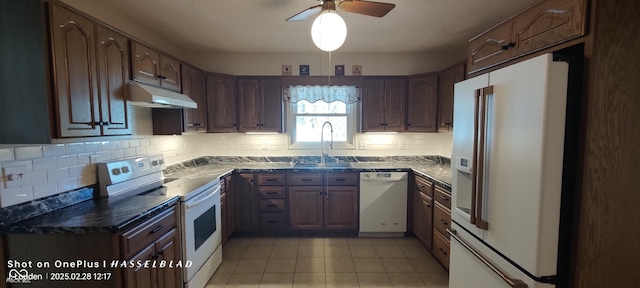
[(346, 94)]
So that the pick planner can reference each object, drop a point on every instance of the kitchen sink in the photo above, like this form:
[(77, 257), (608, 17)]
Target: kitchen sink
[(323, 165)]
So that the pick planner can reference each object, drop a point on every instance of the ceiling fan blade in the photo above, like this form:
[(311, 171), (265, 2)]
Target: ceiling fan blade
[(304, 15), (376, 9)]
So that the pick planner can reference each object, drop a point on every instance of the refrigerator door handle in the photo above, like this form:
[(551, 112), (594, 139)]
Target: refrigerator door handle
[(474, 172), (513, 283), (484, 94)]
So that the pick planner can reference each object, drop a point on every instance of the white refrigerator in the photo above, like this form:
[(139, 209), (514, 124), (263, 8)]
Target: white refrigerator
[(507, 168)]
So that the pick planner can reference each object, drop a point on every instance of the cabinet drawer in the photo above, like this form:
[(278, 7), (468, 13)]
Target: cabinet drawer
[(424, 186), (342, 179), (272, 221), (272, 205), (270, 179), (146, 233), (441, 249), (441, 219), (271, 192), (443, 196), (305, 179)]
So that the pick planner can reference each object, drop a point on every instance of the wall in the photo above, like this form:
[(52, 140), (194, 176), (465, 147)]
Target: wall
[(372, 63)]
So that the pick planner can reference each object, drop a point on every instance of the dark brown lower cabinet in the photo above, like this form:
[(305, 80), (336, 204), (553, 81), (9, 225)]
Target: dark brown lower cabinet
[(246, 219), (423, 218), (341, 208), (306, 207), (164, 249)]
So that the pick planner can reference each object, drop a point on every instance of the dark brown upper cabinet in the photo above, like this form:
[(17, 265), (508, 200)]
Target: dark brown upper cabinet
[(447, 79), (260, 104), (221, 103), (153, 68), (543, 25), (422, 103), (194, 86), (383, 104), (90, 71)]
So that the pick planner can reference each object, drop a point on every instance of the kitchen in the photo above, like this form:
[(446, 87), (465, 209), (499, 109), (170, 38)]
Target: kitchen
[(592, 272)]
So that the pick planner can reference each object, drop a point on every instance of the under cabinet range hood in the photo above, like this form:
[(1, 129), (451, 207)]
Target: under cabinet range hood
[(153, 97)]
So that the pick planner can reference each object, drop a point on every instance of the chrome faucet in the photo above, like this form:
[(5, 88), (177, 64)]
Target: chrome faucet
[(322, 154)]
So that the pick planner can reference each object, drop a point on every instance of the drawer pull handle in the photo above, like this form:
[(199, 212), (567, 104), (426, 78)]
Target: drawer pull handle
[(341, 179), (272, 205), (426, 203), (272, 221), (155, 230), (272, 193), (444, 198), (306, 179), (271, 179), (444, 222), (442, 251)]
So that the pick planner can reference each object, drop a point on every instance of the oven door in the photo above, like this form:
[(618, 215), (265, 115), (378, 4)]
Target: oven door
[(201, 229)]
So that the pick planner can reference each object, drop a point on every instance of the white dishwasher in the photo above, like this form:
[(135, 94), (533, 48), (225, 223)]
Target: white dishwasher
[(383, 204)]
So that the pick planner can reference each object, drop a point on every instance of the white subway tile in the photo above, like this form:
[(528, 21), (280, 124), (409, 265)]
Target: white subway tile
[(103, 156), (15, 196), (66, 161), (44, 190), (108, 145), (134, 143), (117, 154), (53, 150), (68, 184), (7, 154), (45, 164), (79, 170), (92, 146), (121, 144), (141, 151), (28, 165), (144, 142), (58, 174), (129, 152), (74, 148), (30, 152), (35, 178), (84, 158)]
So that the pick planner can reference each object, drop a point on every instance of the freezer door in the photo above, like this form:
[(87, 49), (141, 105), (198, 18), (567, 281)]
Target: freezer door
[(524, 156), (471, 267), (463, 115)]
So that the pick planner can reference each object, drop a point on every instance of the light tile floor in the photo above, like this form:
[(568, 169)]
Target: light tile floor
[(327, 262)]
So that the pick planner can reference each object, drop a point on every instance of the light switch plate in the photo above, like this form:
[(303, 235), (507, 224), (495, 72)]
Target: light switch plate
[(13, 176), (362, 145)]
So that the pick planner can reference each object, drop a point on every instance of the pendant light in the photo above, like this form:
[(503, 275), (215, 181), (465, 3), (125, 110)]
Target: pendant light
[(329, 30)]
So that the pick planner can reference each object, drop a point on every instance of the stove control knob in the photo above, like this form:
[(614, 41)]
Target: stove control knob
[(154, 163), (125, 169), (115, 171)]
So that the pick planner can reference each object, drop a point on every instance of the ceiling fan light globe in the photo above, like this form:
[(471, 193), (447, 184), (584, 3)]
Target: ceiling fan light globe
[(329, 31)]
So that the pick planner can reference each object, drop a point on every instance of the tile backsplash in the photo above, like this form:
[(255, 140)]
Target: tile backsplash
[(70, 163)]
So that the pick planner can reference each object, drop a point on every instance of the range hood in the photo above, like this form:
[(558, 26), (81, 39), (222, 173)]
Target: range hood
[(154, 97)]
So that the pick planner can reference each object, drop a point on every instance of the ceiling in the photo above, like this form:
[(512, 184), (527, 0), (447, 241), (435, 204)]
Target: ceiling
[(260, 26)]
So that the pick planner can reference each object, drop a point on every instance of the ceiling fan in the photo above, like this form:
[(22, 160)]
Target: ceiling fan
[(376, 9)]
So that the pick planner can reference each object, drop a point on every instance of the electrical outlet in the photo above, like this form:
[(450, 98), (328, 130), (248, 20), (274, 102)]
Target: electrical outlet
[(12, 176), (362, 145), (264, 146)]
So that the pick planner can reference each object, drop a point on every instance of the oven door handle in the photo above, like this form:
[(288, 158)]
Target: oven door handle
[(197, 202)]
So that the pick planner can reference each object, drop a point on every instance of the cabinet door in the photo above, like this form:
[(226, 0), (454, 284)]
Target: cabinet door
[(246, 207), (271, 105), (341, 208), (145, 63), (373, 105), (447, 79), (170, 73), (193, 85), (249, 102), (547, 23), (74, 54), (306, 207), (231, 204), (394, 104), (221, 103), (490, 48), (423, 218), (168, 249), (223, 217), (113, 74), (422, 104), (141, 277)]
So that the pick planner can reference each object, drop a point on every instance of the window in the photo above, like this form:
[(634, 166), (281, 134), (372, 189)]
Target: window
[(305, 120)]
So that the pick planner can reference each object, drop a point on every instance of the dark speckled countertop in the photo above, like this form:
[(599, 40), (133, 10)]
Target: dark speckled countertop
[(77, 212)]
